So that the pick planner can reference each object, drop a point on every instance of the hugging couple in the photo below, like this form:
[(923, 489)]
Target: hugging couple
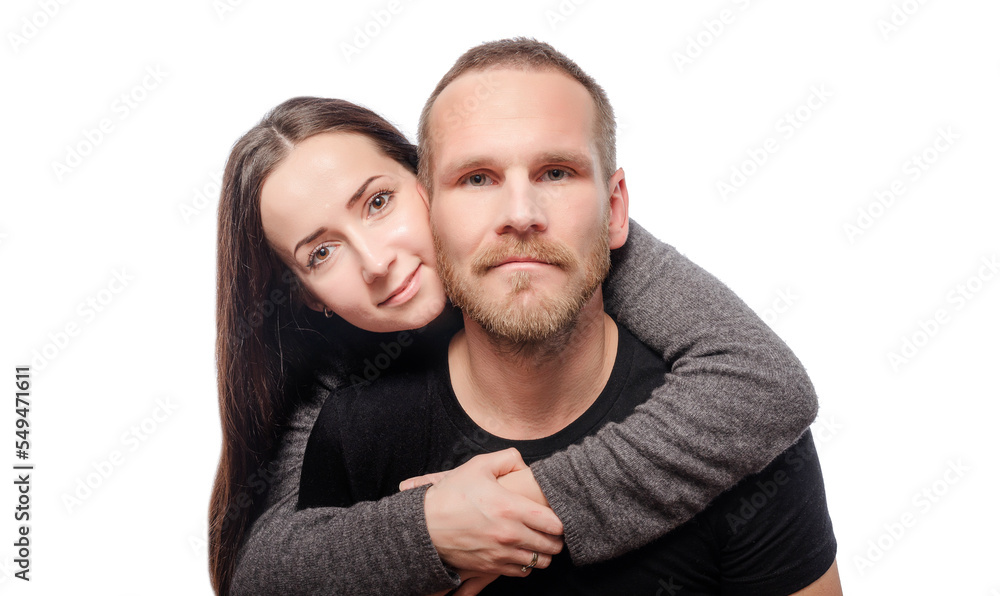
[(573, 407)]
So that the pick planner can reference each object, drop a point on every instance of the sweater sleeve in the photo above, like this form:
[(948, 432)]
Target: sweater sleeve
[(735, 398), (380, 547)]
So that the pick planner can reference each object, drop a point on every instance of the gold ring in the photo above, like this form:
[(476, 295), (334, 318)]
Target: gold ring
[(531, 565)]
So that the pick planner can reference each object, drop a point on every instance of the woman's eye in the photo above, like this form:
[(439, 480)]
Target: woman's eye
[(556, 174), (378, 203), (479, 180), (319, 255)]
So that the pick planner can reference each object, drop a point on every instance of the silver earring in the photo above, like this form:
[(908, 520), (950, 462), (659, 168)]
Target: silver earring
[(327, 312)]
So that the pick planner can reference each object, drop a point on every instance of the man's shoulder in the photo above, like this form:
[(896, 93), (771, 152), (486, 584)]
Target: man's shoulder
[(760, 497), (776, 520)]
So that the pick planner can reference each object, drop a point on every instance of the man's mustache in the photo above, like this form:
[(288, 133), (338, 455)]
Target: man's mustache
[(536, 249)]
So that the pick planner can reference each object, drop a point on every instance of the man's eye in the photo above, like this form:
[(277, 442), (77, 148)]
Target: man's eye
[(556, 174), (479, 180)]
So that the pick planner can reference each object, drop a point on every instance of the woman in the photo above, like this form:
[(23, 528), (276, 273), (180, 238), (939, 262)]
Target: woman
[(736, 396)]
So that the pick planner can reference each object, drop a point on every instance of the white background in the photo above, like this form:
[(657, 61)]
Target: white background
[(695, 95)]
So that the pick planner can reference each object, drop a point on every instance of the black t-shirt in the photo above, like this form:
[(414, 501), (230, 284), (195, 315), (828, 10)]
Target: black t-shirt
[(770, 534)]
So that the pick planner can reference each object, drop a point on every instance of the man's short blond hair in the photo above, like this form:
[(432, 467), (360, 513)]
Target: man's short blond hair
[(528, 54)]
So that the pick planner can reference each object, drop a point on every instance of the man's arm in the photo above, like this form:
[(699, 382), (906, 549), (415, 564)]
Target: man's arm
[(783, 542), (736, 397), (828, 585)]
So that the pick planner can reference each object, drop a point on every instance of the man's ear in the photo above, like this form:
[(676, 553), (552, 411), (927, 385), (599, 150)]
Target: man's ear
[(618, 224)]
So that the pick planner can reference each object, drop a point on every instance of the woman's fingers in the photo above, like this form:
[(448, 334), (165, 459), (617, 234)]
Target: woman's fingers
[(501, 462), (421, 480), (473, 586), (541, 562), (475, 583), (537, 517), (497, 463)]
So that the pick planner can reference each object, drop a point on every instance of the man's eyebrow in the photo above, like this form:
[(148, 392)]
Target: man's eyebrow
[(580, 160), (472, 163)]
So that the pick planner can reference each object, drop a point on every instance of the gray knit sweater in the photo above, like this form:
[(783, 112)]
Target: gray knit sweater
[(735, 398)]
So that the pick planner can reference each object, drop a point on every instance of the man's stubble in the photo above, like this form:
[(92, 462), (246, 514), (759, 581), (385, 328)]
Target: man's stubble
[(503, 317)]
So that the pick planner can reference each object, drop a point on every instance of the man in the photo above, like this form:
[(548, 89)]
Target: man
[(526, 204)]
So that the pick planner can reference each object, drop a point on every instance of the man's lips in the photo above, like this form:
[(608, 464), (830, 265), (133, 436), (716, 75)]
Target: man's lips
[(525, 260), (405, 291)]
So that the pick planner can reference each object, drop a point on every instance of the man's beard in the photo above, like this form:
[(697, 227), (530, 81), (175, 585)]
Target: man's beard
[(502, 317)]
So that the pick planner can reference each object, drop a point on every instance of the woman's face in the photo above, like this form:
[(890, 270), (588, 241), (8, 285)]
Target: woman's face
[(349, 222)]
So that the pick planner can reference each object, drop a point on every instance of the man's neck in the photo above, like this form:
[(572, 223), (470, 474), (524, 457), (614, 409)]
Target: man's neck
[(530, 392)]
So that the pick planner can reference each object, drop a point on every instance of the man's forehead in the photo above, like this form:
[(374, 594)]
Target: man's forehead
[(484, 105), (470, 91)]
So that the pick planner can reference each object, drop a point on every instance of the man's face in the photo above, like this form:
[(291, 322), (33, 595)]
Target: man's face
[(519, 209)]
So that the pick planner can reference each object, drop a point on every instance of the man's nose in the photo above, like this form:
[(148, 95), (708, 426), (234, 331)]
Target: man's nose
[(523, 207)]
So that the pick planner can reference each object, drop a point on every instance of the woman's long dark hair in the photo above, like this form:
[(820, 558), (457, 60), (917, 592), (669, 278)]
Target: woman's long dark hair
[(265, 336)]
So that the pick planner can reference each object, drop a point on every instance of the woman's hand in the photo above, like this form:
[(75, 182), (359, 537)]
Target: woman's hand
[(479, 526), (520, 481), (472, 584)]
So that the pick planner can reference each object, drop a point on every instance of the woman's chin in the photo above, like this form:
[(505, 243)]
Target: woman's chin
[(419, 312)]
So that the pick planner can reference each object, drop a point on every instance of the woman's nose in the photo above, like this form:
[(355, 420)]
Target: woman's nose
[(375, 262)]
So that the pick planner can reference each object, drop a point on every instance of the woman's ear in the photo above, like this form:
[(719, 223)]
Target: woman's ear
[(618, 222), (301, 294)]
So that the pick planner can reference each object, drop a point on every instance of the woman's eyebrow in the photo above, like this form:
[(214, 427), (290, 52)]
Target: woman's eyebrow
[(361, 191), (307, 240)]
